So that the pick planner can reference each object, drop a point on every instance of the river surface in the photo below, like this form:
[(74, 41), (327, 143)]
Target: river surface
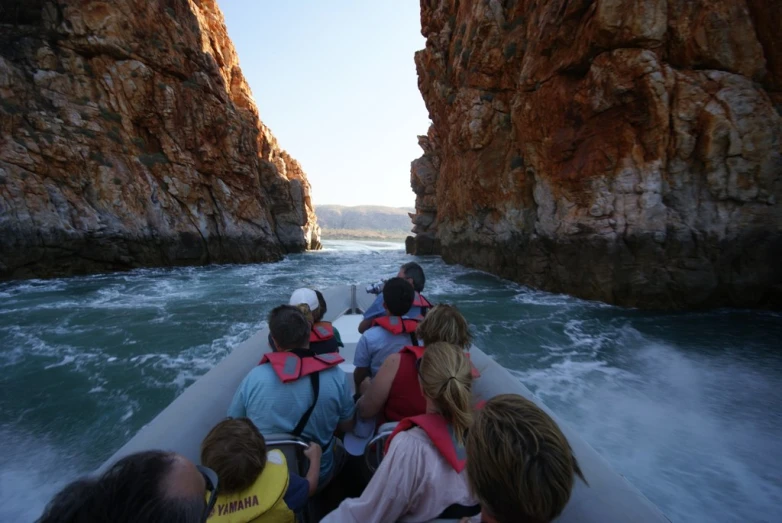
[(687, 406)]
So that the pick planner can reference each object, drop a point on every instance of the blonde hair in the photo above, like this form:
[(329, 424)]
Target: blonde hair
[(518, 461), (446, 379), (305, 310), (445, 323)]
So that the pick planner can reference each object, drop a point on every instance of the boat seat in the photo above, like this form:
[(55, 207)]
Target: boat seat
[(293, 449), (373, 452)]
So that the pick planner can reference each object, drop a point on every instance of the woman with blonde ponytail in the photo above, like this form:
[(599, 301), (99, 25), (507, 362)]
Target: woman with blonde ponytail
[(393, 392), (422, 475)]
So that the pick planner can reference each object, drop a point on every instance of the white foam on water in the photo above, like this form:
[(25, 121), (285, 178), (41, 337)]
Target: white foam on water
[(32, 470), (664, 422), (65, 361)]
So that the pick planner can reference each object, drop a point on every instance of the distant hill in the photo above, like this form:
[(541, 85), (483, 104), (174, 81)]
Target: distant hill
[(364, 221)]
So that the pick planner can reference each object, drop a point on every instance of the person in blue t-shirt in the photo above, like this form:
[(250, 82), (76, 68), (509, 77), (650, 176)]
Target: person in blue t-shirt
[(277, 396), (389, 333), (414, 274)]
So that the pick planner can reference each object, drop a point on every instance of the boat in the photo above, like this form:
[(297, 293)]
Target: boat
[(181, 426)]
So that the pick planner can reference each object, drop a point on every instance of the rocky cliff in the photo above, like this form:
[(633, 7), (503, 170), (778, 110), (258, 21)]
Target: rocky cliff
[(129, 137), (617, 150)]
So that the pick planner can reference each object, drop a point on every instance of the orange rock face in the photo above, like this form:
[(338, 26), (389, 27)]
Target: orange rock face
[(624, 151), (129, 137)]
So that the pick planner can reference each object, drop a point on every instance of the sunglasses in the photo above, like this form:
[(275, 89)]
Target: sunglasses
[(210, 476)]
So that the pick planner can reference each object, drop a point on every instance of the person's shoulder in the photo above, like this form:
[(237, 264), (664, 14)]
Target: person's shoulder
[(412, 441), (374, 333)]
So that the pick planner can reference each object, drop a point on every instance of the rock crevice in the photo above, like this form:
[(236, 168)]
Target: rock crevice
[(629, 152), (129, 137)]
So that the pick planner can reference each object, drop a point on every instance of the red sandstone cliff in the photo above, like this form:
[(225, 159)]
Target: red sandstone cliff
[(129, 137), (616, 150)]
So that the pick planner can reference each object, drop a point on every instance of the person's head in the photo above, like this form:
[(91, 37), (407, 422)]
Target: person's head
[(289, 328), (446, 382), (519, 464), (152, 486), (445, 323), (398, 296), (236, 451), (414, 274), (306, 297), (322, 308)]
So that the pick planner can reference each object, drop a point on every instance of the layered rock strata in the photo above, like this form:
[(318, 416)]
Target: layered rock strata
[(616, 150), (129, 137)]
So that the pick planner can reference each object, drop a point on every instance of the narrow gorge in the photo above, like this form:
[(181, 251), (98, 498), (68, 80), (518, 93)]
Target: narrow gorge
[(616, 150), (129, 137)]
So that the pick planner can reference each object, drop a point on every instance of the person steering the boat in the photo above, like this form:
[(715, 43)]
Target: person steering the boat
[(422, 476), (414, 274), (388, 333), (519, 464), (394, 391), (255, 485), (152, 486), (324, 338), (296, 391)]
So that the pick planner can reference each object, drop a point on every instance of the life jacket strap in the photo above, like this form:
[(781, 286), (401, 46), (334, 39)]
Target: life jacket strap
[(315, 381)]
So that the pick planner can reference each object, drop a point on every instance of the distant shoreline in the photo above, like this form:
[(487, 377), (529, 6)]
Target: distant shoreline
[(362, 234)]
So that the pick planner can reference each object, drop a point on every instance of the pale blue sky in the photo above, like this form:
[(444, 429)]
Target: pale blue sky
[(335, 81)]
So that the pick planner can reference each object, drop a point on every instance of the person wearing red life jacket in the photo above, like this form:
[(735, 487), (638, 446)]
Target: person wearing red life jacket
[(414, 274), (296, 391), (394, 391), (324, 338), (389, 333), (519, 463), (422, 476)]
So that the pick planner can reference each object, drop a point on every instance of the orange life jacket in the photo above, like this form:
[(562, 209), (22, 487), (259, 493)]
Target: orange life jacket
[(290, 367), (321, 331), (422, 302), (440, 433), (396, 324)]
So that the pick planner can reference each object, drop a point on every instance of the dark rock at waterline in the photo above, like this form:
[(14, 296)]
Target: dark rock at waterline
[(133, 140), (627, 152)]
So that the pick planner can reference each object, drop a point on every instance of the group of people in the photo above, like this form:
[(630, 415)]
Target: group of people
[(449, 457)]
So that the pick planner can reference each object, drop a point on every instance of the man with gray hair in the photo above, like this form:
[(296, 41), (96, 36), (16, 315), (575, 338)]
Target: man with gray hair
[(276, 398), (414, 274)]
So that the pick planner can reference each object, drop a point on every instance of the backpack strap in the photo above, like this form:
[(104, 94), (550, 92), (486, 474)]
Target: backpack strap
[(315, 381)]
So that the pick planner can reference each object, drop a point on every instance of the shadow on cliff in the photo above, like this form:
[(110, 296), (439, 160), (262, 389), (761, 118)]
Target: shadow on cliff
[(129, 138)]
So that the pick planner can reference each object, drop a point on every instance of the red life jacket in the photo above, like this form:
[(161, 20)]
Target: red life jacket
[(290, 367), (420, 301), (405, 399), (441, 434), (419, 352), (321, 331), (396, 324)]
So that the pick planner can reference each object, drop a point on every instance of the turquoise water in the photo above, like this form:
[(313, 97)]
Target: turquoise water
[(686, 406)]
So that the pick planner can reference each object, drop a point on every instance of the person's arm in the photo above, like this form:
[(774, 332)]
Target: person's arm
[(376, 395), (375, 310), (392, 489), (347, 407), (364, 325), (313, 453), (359, 374), (338, 338), (361, 360)]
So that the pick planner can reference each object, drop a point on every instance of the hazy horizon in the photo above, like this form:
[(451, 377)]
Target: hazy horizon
[(336, 84)]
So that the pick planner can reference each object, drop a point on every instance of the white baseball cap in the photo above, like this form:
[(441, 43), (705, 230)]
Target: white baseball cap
[(304, 295), (356, 440)]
